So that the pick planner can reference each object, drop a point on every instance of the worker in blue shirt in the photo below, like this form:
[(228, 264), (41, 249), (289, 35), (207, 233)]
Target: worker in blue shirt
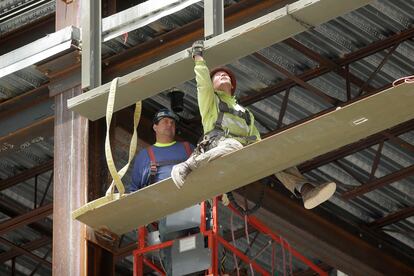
[(154, 163)]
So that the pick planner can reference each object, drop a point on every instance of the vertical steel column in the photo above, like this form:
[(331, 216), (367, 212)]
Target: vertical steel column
[(99, 258), (91, 44), (70, 167), (213, 18)]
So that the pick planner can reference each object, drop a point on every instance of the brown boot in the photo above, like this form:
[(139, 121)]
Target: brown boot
[(313, 196)]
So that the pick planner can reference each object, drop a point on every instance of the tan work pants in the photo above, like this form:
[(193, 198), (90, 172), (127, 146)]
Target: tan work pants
[(292, 179)]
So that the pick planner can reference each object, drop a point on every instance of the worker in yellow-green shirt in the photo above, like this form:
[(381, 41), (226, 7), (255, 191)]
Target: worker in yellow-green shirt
[(228, 126)]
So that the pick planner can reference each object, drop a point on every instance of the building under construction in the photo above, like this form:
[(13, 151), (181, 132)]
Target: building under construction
[(330, 84)]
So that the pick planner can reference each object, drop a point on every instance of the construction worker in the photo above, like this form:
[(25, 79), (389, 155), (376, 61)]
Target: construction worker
[(229, 126), (154, 164)]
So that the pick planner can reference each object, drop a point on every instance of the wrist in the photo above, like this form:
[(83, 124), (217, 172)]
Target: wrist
[(198, 58)]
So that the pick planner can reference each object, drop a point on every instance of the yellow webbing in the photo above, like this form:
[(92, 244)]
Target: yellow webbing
[(117, 175)]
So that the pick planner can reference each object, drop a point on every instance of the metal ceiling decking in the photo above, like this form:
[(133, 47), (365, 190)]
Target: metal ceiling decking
[(359, 40)]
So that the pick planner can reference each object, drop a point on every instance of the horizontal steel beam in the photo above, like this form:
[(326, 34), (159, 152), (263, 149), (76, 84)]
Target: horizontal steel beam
[(355, 147), (392, 218), (304, 142), (222, 49), (26, 252), (26, 219), (13, 208), (30, 246), (328, 66), (26, 136), (39, 50), (165, 44), (140, 15), (25, 175), (323, 239), (379, 182)]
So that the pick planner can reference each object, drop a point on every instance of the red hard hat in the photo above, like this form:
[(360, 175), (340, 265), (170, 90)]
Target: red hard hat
[(229, 72)]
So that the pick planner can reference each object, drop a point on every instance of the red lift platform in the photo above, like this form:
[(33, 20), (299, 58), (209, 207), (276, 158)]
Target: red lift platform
[(214, 240)]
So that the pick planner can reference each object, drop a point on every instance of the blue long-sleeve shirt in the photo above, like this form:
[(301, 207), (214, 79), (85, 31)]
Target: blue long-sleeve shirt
[(141, 170)]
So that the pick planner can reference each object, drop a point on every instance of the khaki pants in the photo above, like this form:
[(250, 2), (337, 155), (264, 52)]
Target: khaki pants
[(292, 179), (208, 150)]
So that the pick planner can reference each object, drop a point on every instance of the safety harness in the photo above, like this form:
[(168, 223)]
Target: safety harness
[(219, 130), (224, 108), (154, 165)]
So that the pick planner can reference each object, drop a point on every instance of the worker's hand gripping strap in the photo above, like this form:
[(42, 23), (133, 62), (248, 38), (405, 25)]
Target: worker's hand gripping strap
[(108, 152)]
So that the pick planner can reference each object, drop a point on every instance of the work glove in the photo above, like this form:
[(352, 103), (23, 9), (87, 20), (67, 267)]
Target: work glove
[(197, 48), (225, 199)]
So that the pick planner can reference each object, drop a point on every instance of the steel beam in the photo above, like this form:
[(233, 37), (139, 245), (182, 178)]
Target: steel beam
[(297, 80), (25, 252), (28, 135), (355, 147), (392, 218), (29, 110), (20, 103), (221, 49), (70, 187), (70, 169), (300, 143), (101, 261), (91, 44), (25, 219), (39, 50), (27, 34), (30, 246), (322, 238), (13, 209), (379, 182), (144, 53), (140, 15), (333, 65), (213, 18), (25, 175), (326, 62)]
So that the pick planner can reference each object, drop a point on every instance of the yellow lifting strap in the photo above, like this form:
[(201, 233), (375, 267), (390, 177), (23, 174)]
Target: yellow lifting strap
[(117, 175)]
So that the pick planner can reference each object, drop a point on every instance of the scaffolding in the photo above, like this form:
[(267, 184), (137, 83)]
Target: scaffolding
[(214, 240)]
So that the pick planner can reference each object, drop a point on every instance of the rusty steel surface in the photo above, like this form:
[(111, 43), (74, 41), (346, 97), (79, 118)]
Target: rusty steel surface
[(70, 187)]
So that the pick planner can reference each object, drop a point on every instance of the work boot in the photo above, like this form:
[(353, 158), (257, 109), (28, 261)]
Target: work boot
[(313, 196)]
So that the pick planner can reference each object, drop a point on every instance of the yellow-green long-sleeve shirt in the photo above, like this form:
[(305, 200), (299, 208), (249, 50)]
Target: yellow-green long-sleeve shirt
[(209, 111)]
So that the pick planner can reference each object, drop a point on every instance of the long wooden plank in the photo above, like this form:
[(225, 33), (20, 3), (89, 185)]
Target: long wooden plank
[(288, 148), (222, 49)]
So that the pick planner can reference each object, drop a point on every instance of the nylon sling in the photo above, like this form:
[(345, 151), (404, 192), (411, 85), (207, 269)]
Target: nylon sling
[(117, 175)]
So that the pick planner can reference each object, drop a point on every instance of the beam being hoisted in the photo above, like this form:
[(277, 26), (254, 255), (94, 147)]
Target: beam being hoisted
[(140, 15), (47, 47), (300, 143), (222, 49)]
